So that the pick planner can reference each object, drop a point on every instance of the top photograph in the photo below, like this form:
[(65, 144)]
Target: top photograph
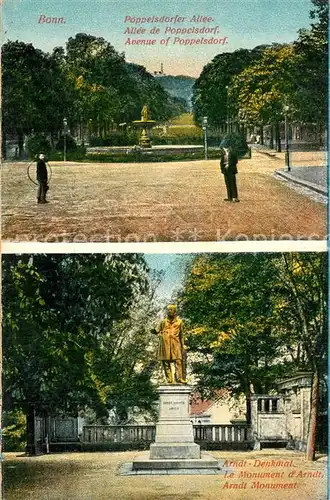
[(148, 121)]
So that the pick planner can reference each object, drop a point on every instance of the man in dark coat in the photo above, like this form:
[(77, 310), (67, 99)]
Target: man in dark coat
[(42, 178), (228, 165)]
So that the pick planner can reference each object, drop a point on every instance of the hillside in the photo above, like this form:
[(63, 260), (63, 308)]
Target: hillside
[(178, 86)]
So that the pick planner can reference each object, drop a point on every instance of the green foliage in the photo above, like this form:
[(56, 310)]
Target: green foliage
[(311, 76), (210, 90), (14, 430), (262, 89), (235, 141), (129, 138), (139, 157), (89, 83), (255, 86), (77, 154), (254, 318), (34, 90), (61, 338), (37, 143), (71, 144), (179, 86)]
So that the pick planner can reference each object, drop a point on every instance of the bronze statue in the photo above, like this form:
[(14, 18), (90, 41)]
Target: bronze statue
[(145, 114), (171, 347)]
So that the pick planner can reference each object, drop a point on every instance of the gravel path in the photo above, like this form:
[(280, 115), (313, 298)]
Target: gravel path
[(177, 201), (94, 476)]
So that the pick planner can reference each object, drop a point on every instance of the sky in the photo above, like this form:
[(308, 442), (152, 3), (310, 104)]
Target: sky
[(238, 23), (173, 266)]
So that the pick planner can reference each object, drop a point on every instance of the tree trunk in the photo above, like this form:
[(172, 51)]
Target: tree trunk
[(311, 440), (3, 144), (262, 136), (278, 137), (271, 137), (20, 139), (30, 431)]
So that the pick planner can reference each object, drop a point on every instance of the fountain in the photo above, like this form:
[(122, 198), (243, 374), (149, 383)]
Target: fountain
[(145, 124)]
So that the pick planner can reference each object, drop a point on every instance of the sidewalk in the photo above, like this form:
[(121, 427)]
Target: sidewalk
[(308, 168), (314, 178)]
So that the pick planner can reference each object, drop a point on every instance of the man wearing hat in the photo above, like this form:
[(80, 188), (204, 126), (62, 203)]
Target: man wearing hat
[(42, 178)]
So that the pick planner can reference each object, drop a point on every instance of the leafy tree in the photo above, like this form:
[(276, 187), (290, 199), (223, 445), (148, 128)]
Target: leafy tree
[(311, 78), (304, 318), (263, 89), (211, 88), (59, 313), (255, 318), (34, 91)]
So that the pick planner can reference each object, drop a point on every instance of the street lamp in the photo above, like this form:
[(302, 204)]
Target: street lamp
[(227, 103), (205, 135), (65, 131), (286, 133)]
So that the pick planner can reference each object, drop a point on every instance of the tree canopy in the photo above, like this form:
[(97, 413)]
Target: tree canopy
[(88, 82), (253, 318), (73, 334), (254, 86)]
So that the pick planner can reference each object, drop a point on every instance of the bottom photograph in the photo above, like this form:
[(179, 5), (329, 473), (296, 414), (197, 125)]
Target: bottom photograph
[(122, 373)]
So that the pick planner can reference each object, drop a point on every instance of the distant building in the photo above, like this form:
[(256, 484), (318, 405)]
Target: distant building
[(221, 410), (161, 72)]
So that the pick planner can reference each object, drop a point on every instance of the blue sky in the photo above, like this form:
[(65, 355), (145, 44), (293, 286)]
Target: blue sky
[(246, 23), (173, 266)]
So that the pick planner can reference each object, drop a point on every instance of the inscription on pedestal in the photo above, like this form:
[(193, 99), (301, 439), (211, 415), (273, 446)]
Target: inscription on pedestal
[(174, 407)]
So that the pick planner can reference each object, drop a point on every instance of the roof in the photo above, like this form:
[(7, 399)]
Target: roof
[(198, 406)]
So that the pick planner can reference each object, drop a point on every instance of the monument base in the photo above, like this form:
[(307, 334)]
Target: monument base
[(174, 450), (144, 462), (174, 446)]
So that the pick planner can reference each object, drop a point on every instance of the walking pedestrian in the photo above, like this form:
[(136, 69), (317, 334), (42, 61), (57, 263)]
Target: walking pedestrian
[(228, 165)]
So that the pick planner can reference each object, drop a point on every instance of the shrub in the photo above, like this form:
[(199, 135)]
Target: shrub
[(129, 138), (71, 144), (37, 143), (14, 431), (78, 154)]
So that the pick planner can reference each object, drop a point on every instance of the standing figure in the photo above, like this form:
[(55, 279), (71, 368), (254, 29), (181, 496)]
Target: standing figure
[(42, 178), (228, 165), (145, 114), (171, 347)]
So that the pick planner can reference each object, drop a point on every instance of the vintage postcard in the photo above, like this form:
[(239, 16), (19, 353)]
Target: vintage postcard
[(149, 121), (164, 192), (137, 376)]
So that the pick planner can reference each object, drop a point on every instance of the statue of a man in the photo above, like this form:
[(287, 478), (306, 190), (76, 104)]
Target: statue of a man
[(145, 114), (171, 347)]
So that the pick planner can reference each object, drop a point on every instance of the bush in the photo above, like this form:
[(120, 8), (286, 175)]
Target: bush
[(37, 143), (14, 431), (71, 144), (236, 141), (141, 157), (129, 138), (77, 155)]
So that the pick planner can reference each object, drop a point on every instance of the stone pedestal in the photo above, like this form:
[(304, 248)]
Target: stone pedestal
[(174, 446), (174, 431)]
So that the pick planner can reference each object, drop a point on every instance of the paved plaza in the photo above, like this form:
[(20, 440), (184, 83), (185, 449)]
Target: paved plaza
[(176, 201), (96, 476)]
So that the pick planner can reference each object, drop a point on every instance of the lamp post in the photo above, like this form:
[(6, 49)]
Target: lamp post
[(65, 131), (205, 135), (286, 133), (227, 105)]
